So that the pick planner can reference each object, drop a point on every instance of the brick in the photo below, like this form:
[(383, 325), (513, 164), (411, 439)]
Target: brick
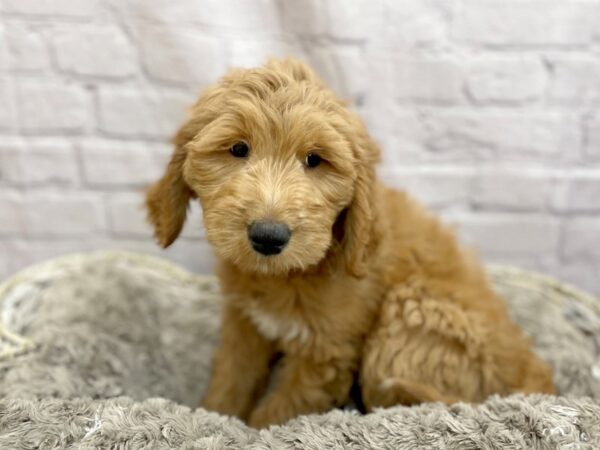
[(67, 8), (353, 75), (147, 114), (194, 228), (259, 15), (579, 193), (304, 18), (575, 80), (182, 56), (507, 133), (11, 214), (3, 49), (429, 80), (26, 49), (424, 24), (5, 262), (253, 53), (526, 22), (8, 113), (197, 255), (144, 246), (63, 214), (592, 137), (499, 234), (127, 217), (582, 275), (165, 11), (436, 188), (400, 134), (25, 253), (533, 263), (322, 60), (353, 20), (379, 66), (506, 80), (580, 240), (512, 190), (95, 50), (383, 115), (114, 163), (38, 162), (51, 106)]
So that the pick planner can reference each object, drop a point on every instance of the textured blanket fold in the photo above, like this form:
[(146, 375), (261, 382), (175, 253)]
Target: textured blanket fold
[(112, 350)]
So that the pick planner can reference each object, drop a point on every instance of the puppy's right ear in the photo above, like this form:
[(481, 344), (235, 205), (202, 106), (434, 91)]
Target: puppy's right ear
[(167, 200)]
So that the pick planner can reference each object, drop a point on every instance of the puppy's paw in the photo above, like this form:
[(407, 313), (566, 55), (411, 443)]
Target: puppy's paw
[(272, 411), (260, 419)]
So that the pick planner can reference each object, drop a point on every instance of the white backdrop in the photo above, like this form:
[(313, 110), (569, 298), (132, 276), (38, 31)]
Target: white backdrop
[(487, 110)]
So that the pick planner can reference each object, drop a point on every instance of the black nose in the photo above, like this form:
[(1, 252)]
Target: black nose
[(269, 238)]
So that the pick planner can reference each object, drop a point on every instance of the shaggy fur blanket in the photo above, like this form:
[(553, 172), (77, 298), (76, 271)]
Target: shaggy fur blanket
[(112, 351)]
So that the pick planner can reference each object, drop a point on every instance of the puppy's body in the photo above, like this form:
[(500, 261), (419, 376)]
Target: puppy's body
[(370, 283)]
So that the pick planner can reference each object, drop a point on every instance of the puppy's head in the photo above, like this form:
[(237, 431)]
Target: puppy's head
[(284, 172)]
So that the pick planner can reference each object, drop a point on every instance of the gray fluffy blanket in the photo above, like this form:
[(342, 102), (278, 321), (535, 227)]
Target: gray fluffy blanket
[(112, 351)]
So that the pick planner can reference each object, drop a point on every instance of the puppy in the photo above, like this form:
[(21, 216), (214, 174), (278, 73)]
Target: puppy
[(322, 264)]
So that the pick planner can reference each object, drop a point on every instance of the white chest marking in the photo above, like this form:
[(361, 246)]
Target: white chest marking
[(273, 327)]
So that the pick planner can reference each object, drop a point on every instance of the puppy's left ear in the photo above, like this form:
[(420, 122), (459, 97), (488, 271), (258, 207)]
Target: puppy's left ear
[(167, 200), (360, 217)]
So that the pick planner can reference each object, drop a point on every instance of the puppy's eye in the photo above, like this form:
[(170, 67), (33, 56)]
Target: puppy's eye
[(312, 160), (239, 150)]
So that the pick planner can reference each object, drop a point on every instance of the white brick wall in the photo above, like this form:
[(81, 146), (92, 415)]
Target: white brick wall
[(487, 110), (51, 107), (92, 50)]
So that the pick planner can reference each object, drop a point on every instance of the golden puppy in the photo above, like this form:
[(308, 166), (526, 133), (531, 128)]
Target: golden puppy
[(321, 263)]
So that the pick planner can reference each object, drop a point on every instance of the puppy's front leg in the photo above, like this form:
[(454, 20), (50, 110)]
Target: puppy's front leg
[(304, 386), (240, 366)]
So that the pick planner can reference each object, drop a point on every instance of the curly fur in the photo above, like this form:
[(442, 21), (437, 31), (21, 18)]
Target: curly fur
[(370, 283)]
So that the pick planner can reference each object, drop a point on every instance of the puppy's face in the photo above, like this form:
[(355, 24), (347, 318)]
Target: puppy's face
[(272, 177), (272, 156)]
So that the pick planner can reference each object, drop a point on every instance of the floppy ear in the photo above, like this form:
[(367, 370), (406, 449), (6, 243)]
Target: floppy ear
[(167, 200), (360, 216)]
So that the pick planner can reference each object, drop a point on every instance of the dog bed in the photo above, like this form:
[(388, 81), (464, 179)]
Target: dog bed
[(112, 350)]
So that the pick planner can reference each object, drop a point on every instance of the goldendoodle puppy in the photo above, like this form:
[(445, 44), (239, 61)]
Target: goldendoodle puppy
[(322, 264)]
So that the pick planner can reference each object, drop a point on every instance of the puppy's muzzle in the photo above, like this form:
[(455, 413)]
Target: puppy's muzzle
[(269, 238)]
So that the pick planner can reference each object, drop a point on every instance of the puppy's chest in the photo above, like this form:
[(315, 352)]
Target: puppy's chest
[(284, 317), (279, 327)]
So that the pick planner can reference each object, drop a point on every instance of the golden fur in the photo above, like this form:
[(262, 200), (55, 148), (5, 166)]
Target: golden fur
[(370, 283)]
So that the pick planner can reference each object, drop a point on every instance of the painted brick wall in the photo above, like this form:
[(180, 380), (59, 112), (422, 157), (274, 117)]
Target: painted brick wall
[(487, 110)]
